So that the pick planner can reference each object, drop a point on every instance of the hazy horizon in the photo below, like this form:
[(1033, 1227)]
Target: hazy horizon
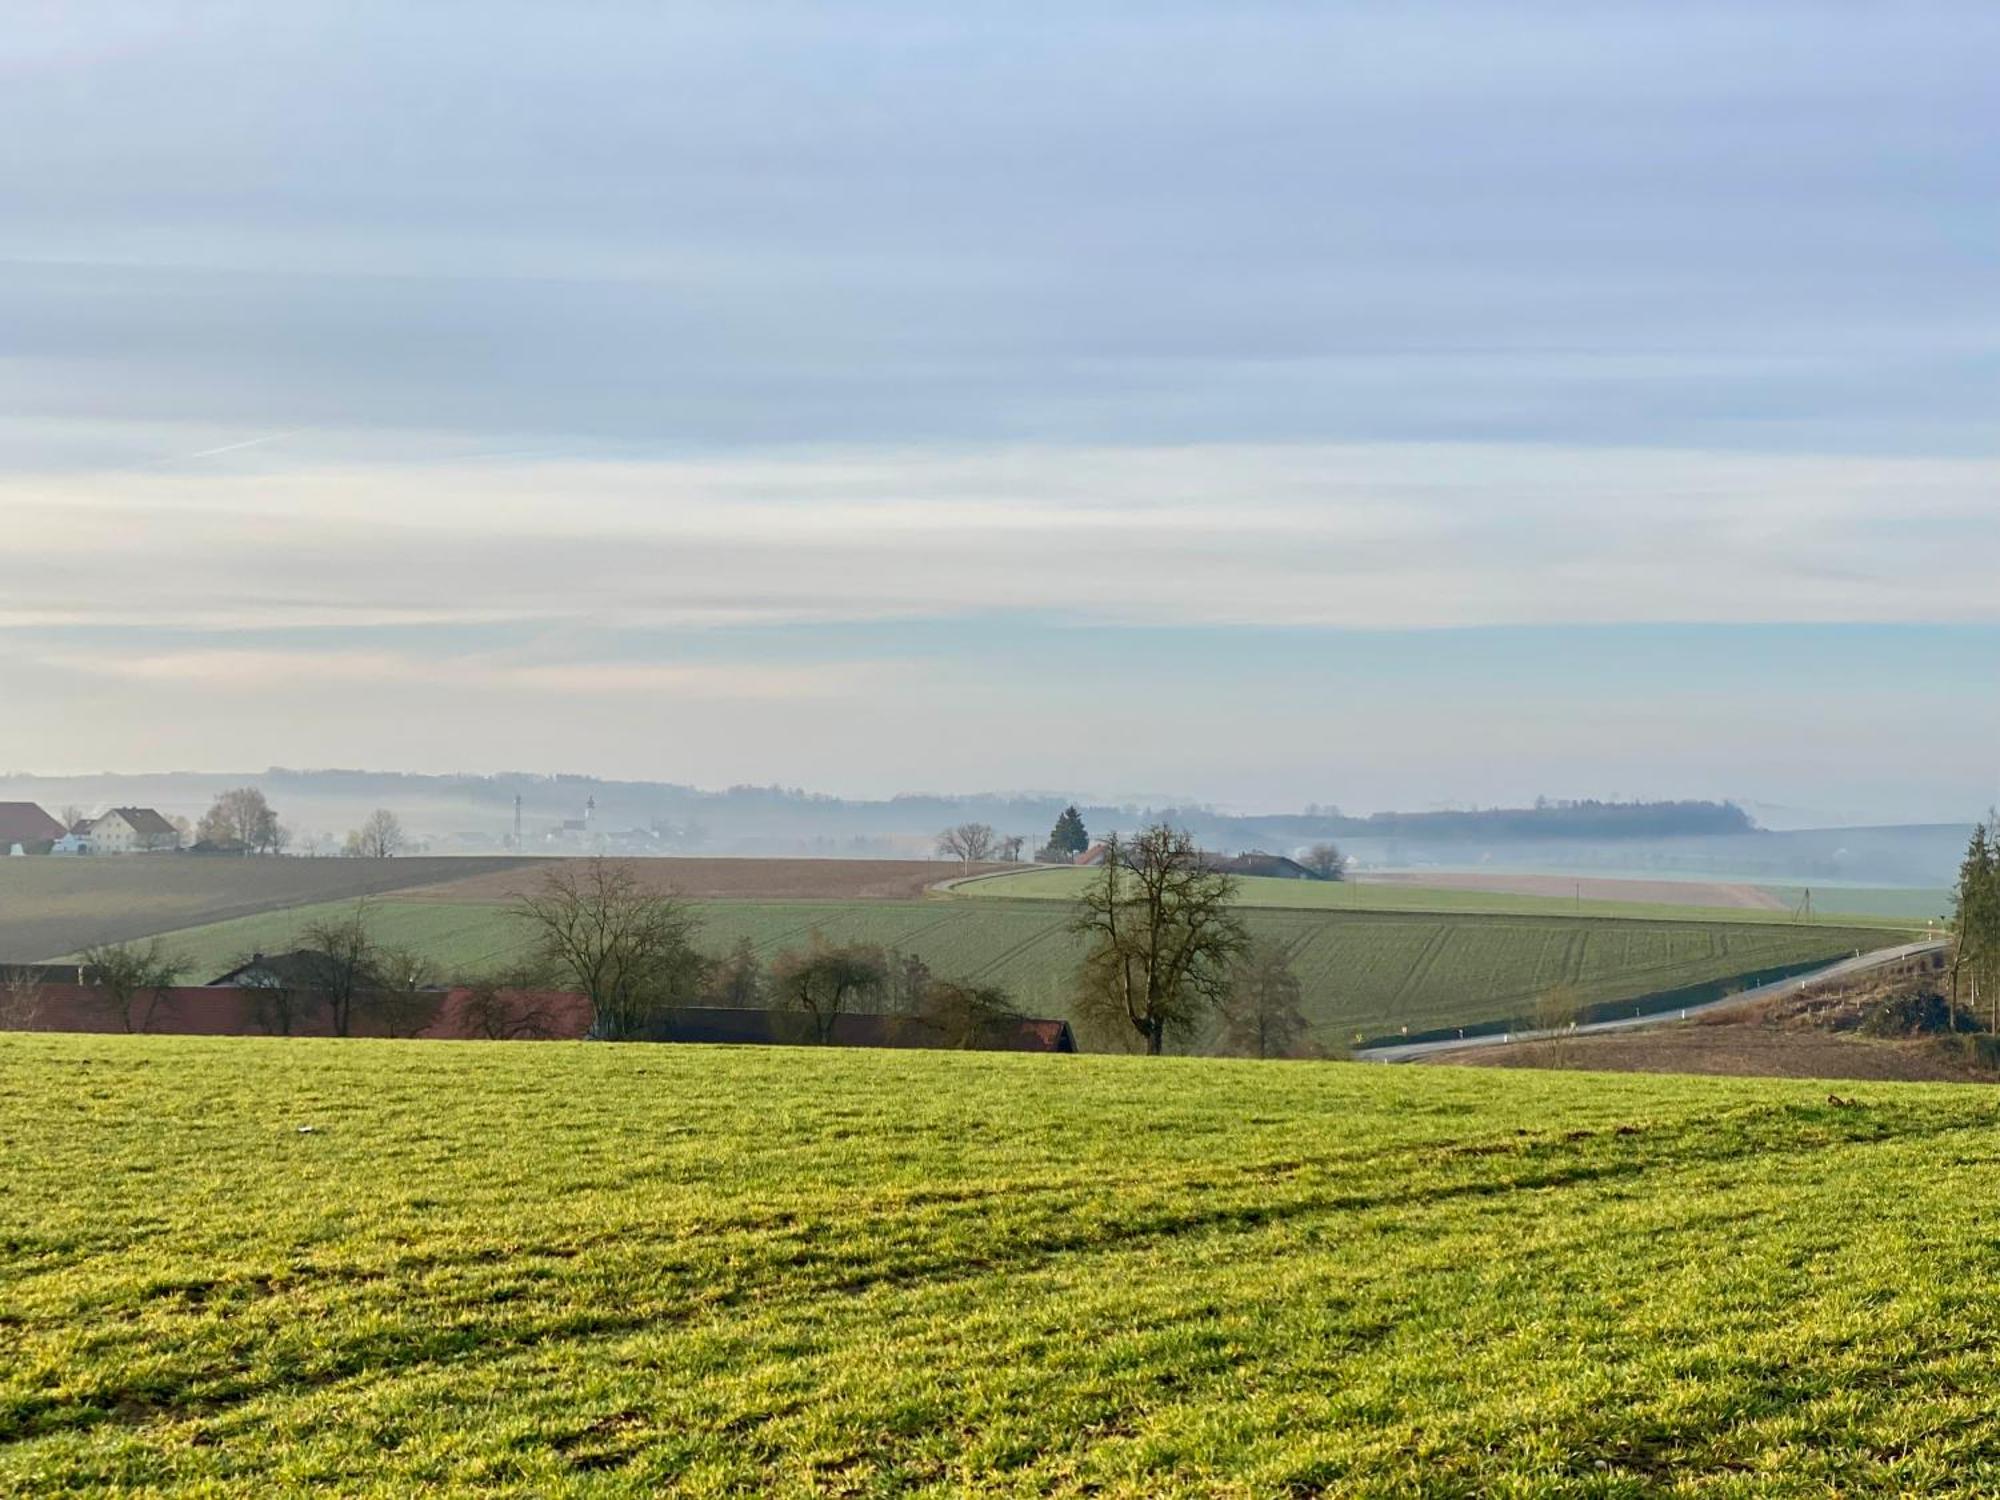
[(1383, 408)]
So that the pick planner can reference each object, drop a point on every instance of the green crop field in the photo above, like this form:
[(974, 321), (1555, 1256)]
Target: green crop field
[(270, 1267), (54, 905), (1365, 973), (1900, 910)]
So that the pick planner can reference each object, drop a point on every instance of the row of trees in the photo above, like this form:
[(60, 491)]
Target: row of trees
[(1167, 953), (631, 950), (243, 818), (977, 843)]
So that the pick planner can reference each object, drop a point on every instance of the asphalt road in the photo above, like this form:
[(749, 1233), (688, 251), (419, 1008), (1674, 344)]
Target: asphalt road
[(1880, 958)]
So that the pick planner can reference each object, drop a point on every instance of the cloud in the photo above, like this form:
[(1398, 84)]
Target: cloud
[(1380, 536), (231, 672)]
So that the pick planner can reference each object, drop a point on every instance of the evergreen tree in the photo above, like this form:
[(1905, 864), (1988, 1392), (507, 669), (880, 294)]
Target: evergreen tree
[(1069, 835), (1976, 921)]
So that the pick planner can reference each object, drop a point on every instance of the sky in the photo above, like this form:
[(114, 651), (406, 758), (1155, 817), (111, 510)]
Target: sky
[(1368, 404)]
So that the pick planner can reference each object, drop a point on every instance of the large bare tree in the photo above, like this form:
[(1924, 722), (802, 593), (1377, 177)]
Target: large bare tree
[(241, 815), (969, 843), (1163, 935), (627, 946), (380, 837)]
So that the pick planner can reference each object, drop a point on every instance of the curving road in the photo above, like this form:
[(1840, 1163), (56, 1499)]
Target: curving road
[(1861, 963)]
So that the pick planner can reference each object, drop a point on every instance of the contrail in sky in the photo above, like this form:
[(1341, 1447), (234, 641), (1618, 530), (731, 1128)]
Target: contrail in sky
[(180, 458)]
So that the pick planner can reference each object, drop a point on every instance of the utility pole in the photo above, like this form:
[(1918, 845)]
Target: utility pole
[(517, 822)]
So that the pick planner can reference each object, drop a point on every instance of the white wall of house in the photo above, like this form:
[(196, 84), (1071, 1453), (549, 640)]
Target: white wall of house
[(111, 834)]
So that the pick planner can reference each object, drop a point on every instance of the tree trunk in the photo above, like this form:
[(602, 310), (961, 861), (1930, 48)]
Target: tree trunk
[(1156, 1036)]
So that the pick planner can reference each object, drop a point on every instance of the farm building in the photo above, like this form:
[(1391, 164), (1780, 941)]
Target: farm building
[(1256, 862), (123, 830), (795, 1028), (131, 830), (298, 969), (26, 829)]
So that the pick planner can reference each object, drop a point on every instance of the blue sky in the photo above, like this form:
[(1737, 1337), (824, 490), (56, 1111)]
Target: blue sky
[(1265, 404)]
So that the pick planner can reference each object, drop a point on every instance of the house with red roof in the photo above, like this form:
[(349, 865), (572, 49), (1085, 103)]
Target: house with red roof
[(26, 829)]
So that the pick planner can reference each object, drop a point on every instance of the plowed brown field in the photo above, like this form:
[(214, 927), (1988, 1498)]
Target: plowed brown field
[(734, 880)]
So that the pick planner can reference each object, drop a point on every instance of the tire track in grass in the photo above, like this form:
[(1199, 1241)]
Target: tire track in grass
[(1018, 950)]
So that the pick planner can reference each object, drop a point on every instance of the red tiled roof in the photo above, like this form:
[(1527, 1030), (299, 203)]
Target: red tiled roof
[(145, 822), (25, 823)]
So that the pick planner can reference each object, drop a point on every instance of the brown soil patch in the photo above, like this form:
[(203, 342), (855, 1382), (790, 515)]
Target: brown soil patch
[(1736, 1051), (1595, 888), (738, 880), (1813, 1033)]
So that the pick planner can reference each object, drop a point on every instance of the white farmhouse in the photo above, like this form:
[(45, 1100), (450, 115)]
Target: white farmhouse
[(131, 830)]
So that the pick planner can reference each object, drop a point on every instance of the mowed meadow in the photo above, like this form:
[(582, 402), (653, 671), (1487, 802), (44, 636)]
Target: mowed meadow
[(254, 1267)]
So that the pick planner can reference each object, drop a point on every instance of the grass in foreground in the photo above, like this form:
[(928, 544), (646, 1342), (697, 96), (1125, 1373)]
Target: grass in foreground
[(544, 1269)]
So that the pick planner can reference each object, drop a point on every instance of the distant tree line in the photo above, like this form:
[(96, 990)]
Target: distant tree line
[(1564, 820)]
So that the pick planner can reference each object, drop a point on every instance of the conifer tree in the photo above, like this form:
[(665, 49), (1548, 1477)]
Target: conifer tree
[(1069, 835), (1976, 922)]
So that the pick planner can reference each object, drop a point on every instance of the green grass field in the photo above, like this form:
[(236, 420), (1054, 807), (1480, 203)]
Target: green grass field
[(1898, 910), (1366, 973), (591, 1270)]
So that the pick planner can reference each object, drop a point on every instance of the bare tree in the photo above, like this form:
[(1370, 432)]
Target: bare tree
[(339, 963), (1261, 1013), (1011, 847), (506, 1006), (968, 843), (629, 949), (277, 1004), (1326, 861), (404, 996), (962, 1011), (737, 982), (826, 981), (908, 979), (243, 816), (70, 816), (1163, 936), (134, 979), (20, 1000), (1557, 1012), (380, 837)]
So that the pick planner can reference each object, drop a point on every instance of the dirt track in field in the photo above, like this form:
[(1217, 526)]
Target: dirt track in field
[(1595, 888), (737, 880)]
